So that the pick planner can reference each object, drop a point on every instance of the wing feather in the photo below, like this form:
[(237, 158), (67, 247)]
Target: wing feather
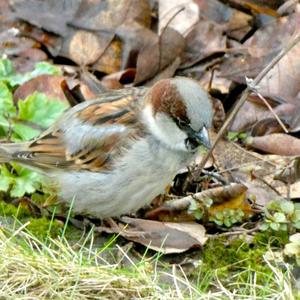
[(93, 149)]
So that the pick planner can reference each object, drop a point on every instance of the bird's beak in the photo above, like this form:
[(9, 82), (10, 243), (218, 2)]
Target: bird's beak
[(203, 138)]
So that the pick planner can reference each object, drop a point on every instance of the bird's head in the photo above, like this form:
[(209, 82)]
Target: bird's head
[(178, 113)]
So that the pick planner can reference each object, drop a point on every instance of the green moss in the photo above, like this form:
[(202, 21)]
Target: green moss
[(226, 259), (10, 210), (43, 227)]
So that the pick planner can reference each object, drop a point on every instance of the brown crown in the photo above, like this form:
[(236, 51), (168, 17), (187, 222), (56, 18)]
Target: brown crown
[(166, 98)]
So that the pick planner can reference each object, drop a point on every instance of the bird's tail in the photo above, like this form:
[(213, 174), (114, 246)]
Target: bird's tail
[(8, 151)]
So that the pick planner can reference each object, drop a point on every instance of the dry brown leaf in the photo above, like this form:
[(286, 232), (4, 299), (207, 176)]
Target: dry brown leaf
[(84, 47), (99, 15), (284, 79), (116, 80), (235, 202), (134, 38), (155, 57), (255, 171), (47, 84), (110, 61), (178, 209), (50, 15), (188, 15), (255, 115), (277, 143), (51, 41), (205, 39), (258, 50), (165, 237), (238, 25), (168, 72)]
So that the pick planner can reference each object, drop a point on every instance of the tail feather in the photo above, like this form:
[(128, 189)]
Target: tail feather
[(8, 151)]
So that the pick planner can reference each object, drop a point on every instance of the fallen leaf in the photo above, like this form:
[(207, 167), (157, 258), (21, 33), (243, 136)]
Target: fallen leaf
[(46, 84), (116, 80), (155, 57), (165, 237), (230, 196), (277, 143), (51, 16), (99, 15), (84, 47), (110, 60), (205, 39), (179, 15), (238, 201)]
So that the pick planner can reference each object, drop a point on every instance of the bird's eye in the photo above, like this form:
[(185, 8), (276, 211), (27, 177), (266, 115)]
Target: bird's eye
[(182, 124)]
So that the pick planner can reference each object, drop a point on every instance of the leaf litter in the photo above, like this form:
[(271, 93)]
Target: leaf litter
[(219, 44)]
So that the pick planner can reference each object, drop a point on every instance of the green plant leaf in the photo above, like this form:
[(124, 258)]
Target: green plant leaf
[(264, 227), (275, 226), (287, 207), (4, 183), (219, 222), (297, 224), (232, 135), (26, 182), (23, 132), (6, 68), (291, 249), (295, 238), (279, 217), (40, 69), (227, 222), (198, 214), (7, 106), (39, 109)]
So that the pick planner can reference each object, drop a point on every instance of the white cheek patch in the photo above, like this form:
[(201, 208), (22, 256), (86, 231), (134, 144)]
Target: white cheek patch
[(165, 130)]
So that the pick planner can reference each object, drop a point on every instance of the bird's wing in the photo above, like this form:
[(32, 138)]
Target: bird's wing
[(88, 136)]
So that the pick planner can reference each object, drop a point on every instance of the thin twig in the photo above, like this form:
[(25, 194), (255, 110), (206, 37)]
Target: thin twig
[(237, 232), (243, 99), (271, 110)]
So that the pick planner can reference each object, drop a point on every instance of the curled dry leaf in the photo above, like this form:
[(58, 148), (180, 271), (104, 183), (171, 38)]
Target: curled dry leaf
[(179, 15), (155, 57), (238, 25), (230, 196), (47, 84), (92, 82), (258, 50), (168, 72), (50, 15), (165, 237), (99, 15), (255, 115), (255, 171), (205, 39), (116, 80), (277, 143), (84, 47), (11, 44), (51, 41), (219, 113), (110, 60), (284, 79), (134, 38)]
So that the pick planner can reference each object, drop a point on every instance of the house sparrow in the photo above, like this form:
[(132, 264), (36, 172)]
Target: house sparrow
[(114, 154)]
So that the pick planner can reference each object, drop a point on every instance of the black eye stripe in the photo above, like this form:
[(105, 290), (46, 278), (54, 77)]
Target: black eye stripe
[(182, 124)]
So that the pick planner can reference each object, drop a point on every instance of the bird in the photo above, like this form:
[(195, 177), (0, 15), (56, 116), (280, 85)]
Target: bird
[(113, 155)]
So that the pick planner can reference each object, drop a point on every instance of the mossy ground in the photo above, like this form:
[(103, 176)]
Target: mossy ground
[(233, 263)]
